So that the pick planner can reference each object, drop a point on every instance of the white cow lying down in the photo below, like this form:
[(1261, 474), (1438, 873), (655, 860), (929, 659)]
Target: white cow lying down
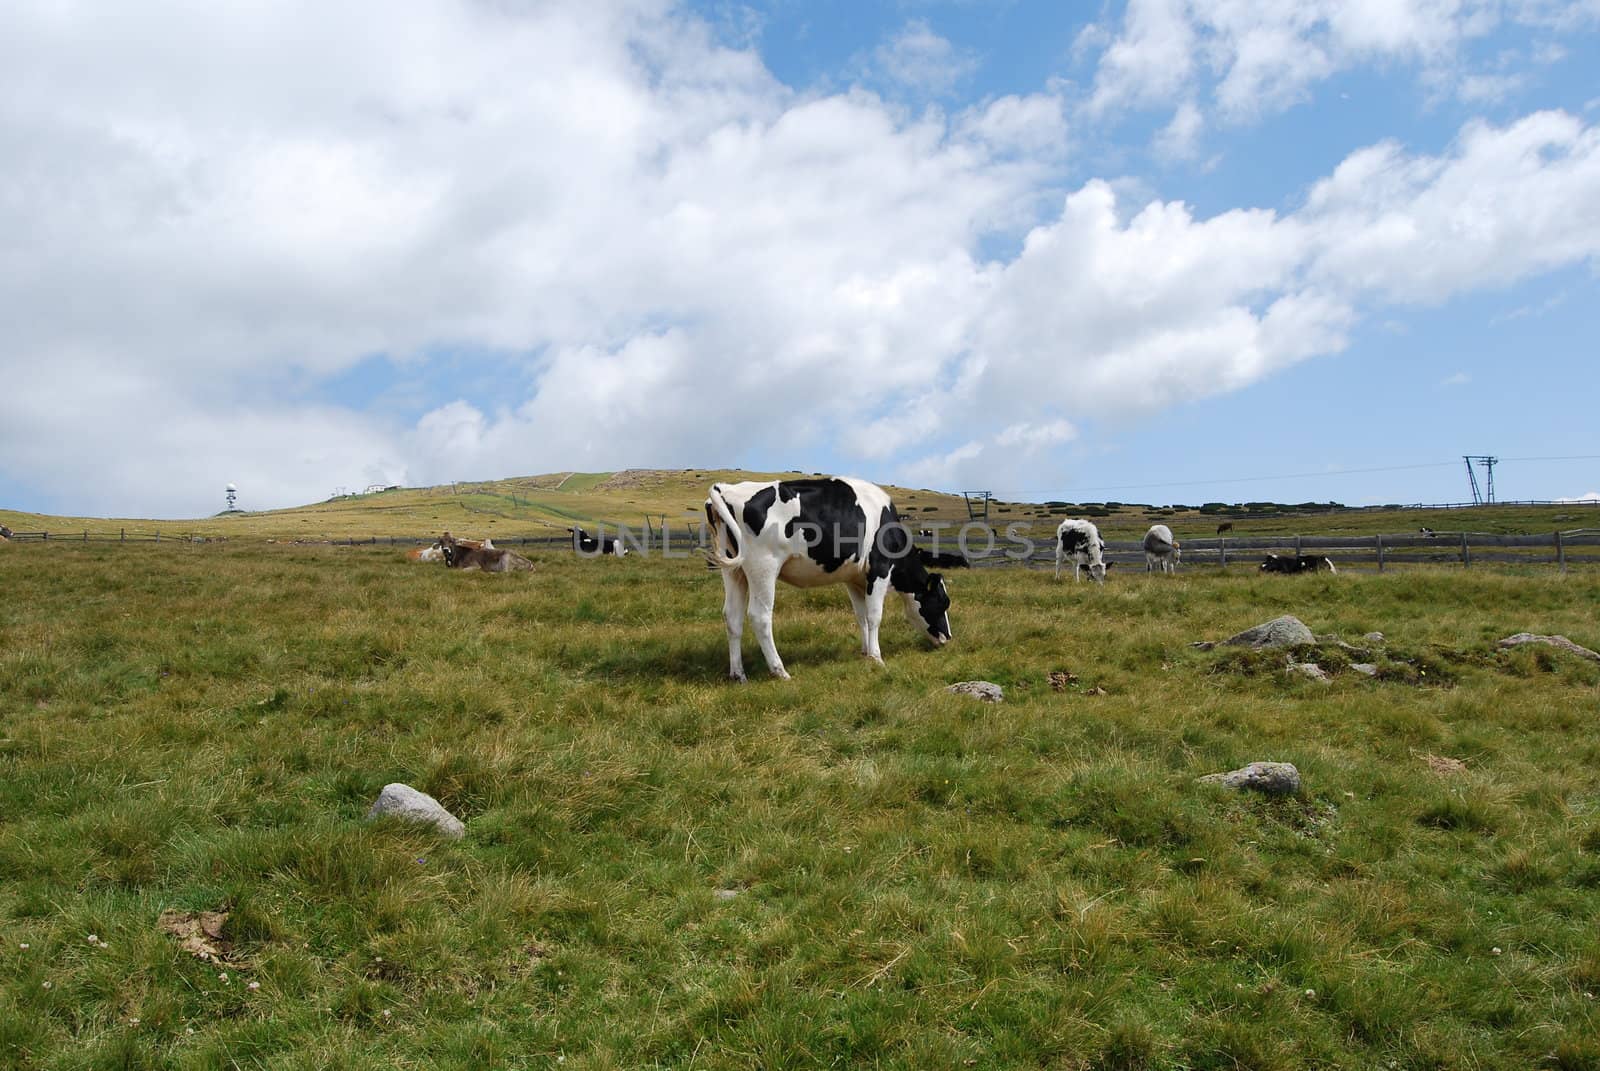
[(809, 533)]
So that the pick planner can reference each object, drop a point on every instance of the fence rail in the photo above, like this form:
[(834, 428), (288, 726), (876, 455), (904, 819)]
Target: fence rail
[(1577, 547)]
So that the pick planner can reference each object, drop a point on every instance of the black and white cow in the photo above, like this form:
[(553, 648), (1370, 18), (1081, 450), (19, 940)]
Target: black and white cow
[(1295, 563), (592, 546), (1079, 542), (809, 533), (1160, 550)]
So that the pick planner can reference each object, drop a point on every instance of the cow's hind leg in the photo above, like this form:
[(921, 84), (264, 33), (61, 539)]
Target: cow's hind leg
[(763, 594), (735, 596)]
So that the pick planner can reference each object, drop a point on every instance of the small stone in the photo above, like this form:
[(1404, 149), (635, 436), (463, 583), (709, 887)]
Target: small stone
[(987, 691), (1309, 669), (1272, 778), (724, 894), (1285, 631), (403, 801), (1368, 669), (1373, 637), (1311, 993), (1495, 951), (1560, 642)]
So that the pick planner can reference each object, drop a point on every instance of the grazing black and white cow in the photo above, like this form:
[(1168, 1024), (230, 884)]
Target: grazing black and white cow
[(5, 533), (1079, 542), (1295, 563), (1160, 550), (809, 533), (1427, 532), (592, 546)]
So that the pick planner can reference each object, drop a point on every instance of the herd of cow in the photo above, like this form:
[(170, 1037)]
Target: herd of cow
[(832, 530)]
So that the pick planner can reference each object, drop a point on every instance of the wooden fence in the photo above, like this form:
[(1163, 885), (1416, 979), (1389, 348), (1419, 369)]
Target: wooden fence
[(1577, 547)]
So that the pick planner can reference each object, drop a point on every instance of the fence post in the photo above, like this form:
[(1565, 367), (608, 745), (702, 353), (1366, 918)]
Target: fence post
[(1380, 553), (1224, 549), (1297, 546), (1466, 555), (86, 535), (1561, 553), (124, 535), (47, 537)]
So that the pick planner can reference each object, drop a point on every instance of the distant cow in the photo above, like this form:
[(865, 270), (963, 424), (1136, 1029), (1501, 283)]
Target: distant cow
[(1079, 542), (434, 552), (1225, 526), (810, 533), (5, 533), (1161, 551), (458, 554), (592, 546), (1295, 563), (1429, 532)]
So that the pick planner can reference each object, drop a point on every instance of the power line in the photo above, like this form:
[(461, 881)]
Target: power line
[(1238, 479)]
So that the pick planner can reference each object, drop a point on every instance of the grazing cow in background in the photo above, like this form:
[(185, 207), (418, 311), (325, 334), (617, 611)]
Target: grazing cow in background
[(1079, 542), (1295, 563), (940, 559), (809, 533), (458, 554), (1429, 532), (5, 533), (1225, 526), (592, 546), (1160, 550)]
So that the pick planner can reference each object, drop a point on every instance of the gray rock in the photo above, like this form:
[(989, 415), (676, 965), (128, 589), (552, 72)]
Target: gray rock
[(1285, 631), (1309, 669), (987, 691), (724, 894), (1273, 778), (1366, 668), (1560, 642), (403, 801), (1373, 637)]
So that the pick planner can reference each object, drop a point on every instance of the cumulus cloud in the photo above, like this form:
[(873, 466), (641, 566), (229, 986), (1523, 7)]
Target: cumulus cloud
[(1260, 58), (670, 257)]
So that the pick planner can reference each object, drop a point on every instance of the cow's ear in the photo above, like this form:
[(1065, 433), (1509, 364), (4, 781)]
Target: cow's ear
[(934, 580)]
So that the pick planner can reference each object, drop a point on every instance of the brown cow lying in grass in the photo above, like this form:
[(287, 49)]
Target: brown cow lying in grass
[(460, 554), (434, 552)]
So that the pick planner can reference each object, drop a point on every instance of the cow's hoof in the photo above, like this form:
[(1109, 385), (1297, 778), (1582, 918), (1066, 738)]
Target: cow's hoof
[(781, 674), (737, 678)]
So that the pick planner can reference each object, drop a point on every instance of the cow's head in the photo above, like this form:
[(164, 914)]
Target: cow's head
[(928, 608)]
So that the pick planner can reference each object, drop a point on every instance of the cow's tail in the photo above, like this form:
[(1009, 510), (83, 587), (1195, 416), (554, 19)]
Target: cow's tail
[(720, 555), (1331, 569)]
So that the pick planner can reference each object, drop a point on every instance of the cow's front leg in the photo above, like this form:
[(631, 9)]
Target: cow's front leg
[(858, 603), (735, 596), (763, 594), (876, 590)]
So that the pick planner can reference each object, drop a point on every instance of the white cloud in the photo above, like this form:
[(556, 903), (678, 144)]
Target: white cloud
[(1456, 379), (694, 265), (1592, 496), (920, 59), (1180, 138), (1261, 58)]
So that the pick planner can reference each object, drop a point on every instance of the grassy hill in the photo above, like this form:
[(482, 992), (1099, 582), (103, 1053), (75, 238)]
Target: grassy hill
[(548, 504)]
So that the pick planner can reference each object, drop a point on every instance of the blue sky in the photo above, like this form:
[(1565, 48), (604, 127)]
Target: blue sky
[(1150, 251)]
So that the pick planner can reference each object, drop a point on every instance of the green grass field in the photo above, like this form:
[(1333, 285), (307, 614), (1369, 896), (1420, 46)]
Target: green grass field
[(853, 869)]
